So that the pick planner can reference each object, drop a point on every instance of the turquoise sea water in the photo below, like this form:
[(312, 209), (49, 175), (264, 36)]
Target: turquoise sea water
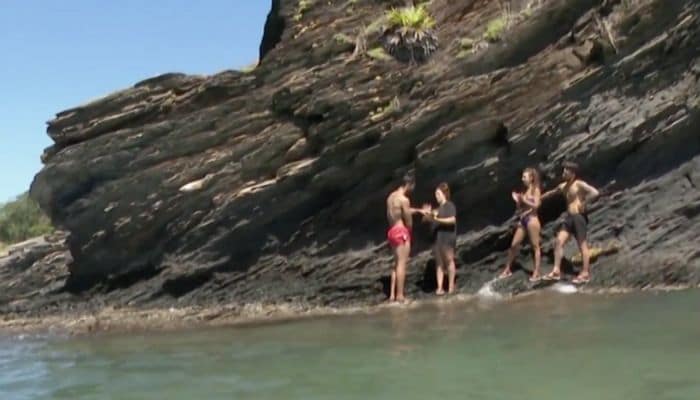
[(546, 346)]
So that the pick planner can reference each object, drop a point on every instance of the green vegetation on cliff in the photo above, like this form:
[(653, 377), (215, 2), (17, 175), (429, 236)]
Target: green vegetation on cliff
[(417, 18), (495, 29), (22, 219), (302, 7), (409, 36)]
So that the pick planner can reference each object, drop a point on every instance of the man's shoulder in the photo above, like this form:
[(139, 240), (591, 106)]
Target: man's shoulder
[(579, 182), (397, 196)]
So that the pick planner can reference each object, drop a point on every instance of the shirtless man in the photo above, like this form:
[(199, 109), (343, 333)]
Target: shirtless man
[(577, 192), (400, 216)]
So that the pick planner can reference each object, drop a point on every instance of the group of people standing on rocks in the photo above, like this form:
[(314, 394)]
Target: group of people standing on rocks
[(443, 221)]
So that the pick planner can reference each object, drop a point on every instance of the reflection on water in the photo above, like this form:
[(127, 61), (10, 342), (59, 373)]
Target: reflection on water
[(547, 346)]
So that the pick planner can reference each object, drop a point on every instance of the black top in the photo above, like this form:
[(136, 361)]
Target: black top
[(446, 210)]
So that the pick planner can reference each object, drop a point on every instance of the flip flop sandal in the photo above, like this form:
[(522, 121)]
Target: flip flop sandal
[(504, 275)]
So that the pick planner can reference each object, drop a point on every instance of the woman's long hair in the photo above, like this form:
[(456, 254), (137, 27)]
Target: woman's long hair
[(535, 177)]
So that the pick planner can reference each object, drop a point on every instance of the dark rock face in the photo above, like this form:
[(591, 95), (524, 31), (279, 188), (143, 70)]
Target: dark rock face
[(269, 186), (274, 28), (34, 273)]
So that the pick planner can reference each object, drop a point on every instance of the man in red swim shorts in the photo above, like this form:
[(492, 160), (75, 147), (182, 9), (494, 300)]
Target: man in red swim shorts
[(400, 216)]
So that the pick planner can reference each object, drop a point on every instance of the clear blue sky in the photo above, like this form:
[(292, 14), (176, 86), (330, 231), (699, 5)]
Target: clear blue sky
[(55, 54)]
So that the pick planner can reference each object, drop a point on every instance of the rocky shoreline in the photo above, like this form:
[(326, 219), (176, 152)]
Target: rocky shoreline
[(267, 186), (111, 321), (47, 257)]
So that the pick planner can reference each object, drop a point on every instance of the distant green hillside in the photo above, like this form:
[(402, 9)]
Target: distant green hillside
[(22, 219)]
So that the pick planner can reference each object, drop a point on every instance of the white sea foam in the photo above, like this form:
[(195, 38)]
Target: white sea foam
[(487, 292), (564, 288)]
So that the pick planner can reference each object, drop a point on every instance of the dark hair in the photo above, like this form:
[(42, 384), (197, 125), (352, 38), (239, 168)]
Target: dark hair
[(571, 166), (535, 176), (445, 189), (408, 180)]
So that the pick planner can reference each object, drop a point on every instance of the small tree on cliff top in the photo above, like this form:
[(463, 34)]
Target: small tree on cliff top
[(409, 36)]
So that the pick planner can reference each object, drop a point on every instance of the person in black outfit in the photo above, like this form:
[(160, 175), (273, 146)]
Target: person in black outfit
[(444, 228)]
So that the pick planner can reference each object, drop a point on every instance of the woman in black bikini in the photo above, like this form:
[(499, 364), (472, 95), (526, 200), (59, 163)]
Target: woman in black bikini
[(528, 224), (444, 226)]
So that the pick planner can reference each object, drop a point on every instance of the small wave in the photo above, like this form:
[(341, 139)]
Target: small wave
[(486, 291)]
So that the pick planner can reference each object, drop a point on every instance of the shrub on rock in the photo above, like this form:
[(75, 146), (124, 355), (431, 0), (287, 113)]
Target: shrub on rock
[(409, 36)]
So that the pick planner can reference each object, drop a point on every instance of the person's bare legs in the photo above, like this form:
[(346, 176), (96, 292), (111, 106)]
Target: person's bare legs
[(585, 273), (402, 252), (439, 270), (513, 251), (392, 290), (533, 232), (449, 259), (561, 239)]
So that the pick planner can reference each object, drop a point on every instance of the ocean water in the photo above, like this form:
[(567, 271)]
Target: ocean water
[(545, 346)]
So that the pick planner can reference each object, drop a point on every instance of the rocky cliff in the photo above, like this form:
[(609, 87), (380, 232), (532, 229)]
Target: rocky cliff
[(268, 186)]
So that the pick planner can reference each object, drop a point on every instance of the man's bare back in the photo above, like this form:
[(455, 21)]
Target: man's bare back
[(398, 209)]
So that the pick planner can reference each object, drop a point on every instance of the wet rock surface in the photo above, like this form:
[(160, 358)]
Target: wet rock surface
[(268, 186)]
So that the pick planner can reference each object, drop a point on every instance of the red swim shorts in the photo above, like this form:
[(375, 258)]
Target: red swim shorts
[(398, 235)]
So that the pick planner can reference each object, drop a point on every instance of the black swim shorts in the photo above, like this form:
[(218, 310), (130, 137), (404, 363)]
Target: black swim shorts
[(576, 225)]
